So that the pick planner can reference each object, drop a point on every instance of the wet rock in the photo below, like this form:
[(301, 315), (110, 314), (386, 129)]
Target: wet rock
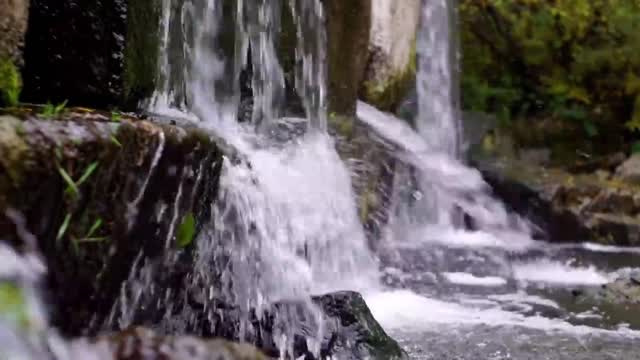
[(97, 53), (566, 206), (371, 164), (97, 195), (392, 50), (630, 170), (353, 331), (145, 344)]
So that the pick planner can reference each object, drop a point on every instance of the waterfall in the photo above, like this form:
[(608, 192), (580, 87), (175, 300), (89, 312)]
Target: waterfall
[(285, 226), (438, 117)]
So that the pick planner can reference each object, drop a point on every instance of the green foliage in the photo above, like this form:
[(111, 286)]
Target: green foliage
[(10, 83), (635, 147), (186, 231), (116, 116), (50, 111), (575, 60)]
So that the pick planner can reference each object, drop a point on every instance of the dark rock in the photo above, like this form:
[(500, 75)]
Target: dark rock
[(353, 332), (97, 53), (96, 195)]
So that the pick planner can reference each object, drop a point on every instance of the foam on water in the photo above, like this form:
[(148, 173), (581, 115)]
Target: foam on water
[(554, 273), (462, 278), (406, 311)]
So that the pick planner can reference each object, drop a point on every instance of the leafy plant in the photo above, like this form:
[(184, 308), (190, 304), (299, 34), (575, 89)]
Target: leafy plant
[(186, 231), (551, 57), (635, 147), (50, 111)]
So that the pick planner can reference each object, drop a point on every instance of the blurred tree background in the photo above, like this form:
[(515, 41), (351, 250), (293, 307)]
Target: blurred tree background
[(570, 67)]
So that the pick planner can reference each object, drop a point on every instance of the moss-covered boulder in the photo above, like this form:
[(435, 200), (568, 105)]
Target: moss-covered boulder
[(391, 64), (98, 193), (96, 53), (13, 24)]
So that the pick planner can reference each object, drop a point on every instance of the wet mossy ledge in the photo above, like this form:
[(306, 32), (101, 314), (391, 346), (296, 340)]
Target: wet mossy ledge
[(98, 191)]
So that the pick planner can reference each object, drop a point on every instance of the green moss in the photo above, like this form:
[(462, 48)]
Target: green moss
[(10, 83), (342, 124), (141, 53), (388, 94), (13, 307)]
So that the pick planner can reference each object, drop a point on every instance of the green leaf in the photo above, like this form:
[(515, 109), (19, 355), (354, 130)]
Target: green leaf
[(186, 231), (96, 225), (114, 140), (71, 185), (64, 227), (635, 147), (87, 173)]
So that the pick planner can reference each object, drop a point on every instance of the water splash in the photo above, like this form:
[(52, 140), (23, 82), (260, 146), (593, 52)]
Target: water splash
[(285, 226)]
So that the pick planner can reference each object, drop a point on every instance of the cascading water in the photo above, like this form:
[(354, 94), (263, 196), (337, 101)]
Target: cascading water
[(464, 265), (284, 227)]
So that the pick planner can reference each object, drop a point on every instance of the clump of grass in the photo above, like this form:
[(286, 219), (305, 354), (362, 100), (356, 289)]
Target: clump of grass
[(50, 111)]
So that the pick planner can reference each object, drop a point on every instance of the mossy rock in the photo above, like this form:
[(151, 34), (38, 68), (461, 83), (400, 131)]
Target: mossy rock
[(90, 192)]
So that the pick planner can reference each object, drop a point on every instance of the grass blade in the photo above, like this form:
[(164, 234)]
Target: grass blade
[(96, 225), (71, 185), (64, 227), (87, 173)]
